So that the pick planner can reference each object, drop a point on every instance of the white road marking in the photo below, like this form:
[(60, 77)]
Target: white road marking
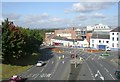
[(33, 75), (63, 62), (29, 75), (101, 65), (106, 69), (112, 77), (52, 62), (88, 57), (42, 70), (36, 76), (90, 72)]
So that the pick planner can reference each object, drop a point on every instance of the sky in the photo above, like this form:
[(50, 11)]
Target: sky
[(60, 14)]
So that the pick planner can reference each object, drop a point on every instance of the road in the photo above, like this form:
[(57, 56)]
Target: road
[(54, 69), (94, 66)]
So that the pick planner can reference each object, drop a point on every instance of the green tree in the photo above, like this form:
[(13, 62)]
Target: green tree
[(12, 43)]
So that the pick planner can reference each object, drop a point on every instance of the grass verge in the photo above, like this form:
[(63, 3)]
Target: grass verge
[(8, 70)]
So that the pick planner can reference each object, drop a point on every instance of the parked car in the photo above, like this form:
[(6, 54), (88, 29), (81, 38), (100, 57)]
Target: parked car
[(105, 54), (15, 78), (40, 63), (117, 73)]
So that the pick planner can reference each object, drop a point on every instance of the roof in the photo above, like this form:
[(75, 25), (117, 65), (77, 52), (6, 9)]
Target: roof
[(62, 38), (116, 30), (100, 36)]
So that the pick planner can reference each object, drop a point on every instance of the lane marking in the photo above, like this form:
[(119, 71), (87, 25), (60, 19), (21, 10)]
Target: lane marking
[(63, 62), (36, 76), (29, 75), (52, 62), (90, 72), (42, 70), (33, 75), (112, 77), (106, 69)]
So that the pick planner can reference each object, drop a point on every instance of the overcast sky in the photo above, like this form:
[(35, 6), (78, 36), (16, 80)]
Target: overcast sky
[(60, 14)]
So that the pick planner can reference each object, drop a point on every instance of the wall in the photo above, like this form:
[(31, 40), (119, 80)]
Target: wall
[(96, 43)]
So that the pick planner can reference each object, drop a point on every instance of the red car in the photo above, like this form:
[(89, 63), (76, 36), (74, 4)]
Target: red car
[(15, 78)]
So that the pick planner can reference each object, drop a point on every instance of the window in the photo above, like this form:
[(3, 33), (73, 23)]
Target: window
[(112, 33), (103, 41), (117, 38), (99, 41), (112, 44), (117, 33), (107, 41), (117, 45), (92, 45), (112, 38), (92, 41)]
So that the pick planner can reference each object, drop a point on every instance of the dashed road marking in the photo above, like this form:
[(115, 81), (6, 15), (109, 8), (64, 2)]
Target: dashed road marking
[(42, 70), (29, 75), (90, 72), (33, 75), (106, 69), (112, 77), (36, 76), (52, 62)]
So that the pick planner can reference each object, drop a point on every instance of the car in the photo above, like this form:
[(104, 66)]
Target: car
[(15, 78), (105, 54), (40, 63), (117, 73)]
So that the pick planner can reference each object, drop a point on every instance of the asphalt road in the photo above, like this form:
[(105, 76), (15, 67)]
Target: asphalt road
[(54, 69), (94, 66)]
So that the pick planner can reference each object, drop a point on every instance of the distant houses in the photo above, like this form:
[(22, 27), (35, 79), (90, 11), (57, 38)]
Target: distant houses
[(98, 36)]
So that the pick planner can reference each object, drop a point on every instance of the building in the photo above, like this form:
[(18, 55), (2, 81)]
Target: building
[(48, 37), (60, 41), (100, 40), (66, 33), (88, 36), (98, 28), (81, 33), (115, 38)]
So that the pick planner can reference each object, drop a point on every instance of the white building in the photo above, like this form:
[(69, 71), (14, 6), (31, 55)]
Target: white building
[(99, 27), (115, 38), (60, 41), (100, 41)]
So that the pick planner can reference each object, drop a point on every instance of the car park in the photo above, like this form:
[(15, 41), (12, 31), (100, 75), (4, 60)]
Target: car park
[(40, 63)]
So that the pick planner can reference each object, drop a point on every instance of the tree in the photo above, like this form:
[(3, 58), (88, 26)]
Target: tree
[(12, 42)]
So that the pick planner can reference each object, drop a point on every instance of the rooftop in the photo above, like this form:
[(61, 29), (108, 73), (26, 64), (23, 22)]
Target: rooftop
[(116, 30)]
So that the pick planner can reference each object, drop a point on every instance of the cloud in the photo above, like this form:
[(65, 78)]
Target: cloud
[(89, 7), (99, 15), (11, 16), (81, 17)]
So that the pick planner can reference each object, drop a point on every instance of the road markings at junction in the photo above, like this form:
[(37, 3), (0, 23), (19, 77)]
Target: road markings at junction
[(106, 69), (33, 75), (29, 75), (90, 72), (63, 62), (98, 73), (52, 62), (112, 77), (36, 76), (42, 70)]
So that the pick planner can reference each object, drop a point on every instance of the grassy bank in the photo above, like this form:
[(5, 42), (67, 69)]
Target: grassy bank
[(8, 69)]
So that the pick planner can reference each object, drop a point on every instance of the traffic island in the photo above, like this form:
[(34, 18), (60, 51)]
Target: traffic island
[(75, 69)]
